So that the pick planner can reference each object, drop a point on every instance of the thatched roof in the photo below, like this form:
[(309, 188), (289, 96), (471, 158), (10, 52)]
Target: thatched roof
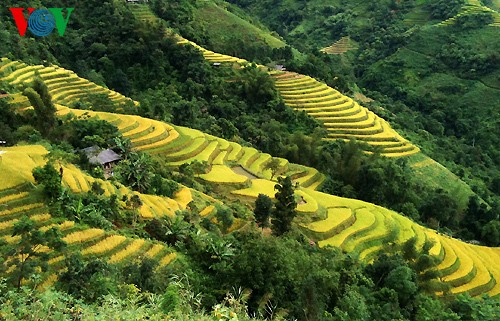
[(96, 156)]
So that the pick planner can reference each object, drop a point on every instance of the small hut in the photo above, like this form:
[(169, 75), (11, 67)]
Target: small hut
[(106, 158)]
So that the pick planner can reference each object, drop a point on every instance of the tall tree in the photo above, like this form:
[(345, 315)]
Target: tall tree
[(262, 211), (285, 207), (41, 101)]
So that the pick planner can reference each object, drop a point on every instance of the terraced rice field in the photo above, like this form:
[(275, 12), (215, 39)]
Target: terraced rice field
[(473, 7), (19, 201), (366, 229), (65, 86), (341, 46), (179, 145), (343, 117), (143, 12), (352, 225)]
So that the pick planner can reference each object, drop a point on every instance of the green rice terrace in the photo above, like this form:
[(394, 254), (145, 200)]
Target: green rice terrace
[(473, 7)]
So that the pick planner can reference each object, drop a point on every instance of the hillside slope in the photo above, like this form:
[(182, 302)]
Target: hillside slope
[(346, 119), (19, 198), (237, 172)]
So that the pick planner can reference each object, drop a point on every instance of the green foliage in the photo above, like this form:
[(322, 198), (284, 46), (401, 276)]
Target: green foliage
[(262, 211), (444, 9), (27, 253), (97, 210), (45, 114), (85, 280), (137, 171), (352, 306), (50, 179), (273, 165), (285, 206), (170, 229), (469, 309), (225, 217), (84, 133), (490, 233), (474, 20)]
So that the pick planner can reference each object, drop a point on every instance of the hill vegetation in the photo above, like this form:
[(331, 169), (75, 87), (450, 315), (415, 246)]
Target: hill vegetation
[(429, 64), (222, 206)]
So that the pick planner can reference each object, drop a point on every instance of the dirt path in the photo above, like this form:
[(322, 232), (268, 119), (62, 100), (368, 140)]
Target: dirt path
[(241, 171)]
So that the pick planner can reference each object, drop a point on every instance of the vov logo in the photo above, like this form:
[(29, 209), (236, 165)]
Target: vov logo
[(41, 22)]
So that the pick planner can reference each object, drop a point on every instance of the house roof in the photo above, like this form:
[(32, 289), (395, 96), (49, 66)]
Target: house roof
[(96, 156)]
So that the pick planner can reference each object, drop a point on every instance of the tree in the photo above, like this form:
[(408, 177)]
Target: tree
[(41, 101), (490, 233), (262, 211), (402, 280), (85, 279), (50, 178), (134, 203), (257, 85), (285, 207), (274, 165), (30, 251), (352, 306), (225, 216), (137, 171)]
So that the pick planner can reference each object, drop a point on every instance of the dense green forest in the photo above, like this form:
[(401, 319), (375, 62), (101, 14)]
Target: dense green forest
[(437, 102)]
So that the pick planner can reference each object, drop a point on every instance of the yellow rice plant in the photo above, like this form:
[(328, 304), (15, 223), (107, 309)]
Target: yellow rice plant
[(259, 186), (378, 231), (13, 197), (336, 216), (167, 259), (56, 260), (482, 276), (50, 280), (183, 197), (7, 224), (154, 250), (172, 135), (250, 152), (449, 255), (144, 126), (207, 210), (82, 236), (40, 217), (63, 226), (129, 250), (21, 209), (105, 245), (466, 263), (223, 174), (436, 239), (309, 204), (11, 239), (155, 129), (232, 156), (219, 160), (145, 211), (364, 219), (490, 258), (161, 206)]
